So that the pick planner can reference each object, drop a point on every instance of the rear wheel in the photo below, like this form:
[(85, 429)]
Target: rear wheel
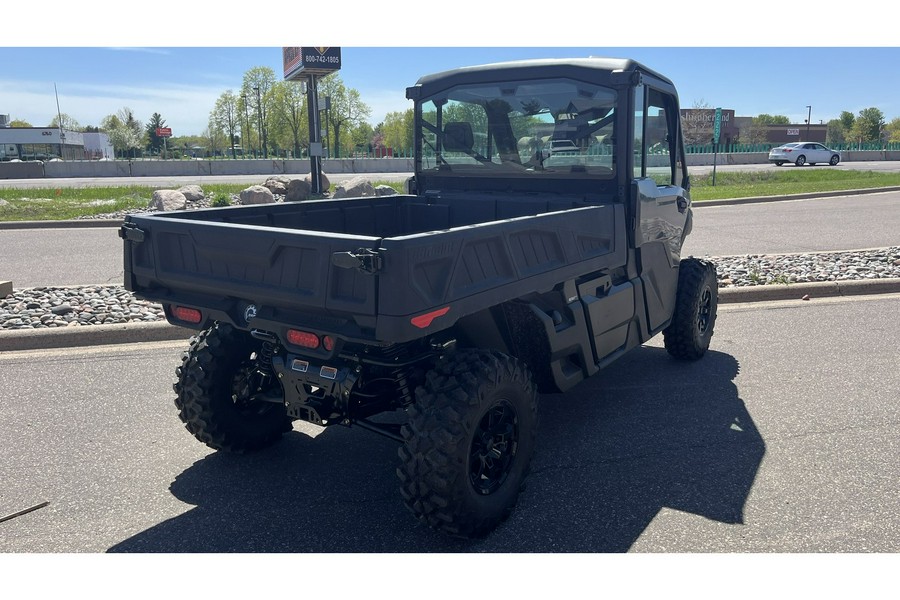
[(468, 443), (219, 388), (778, 163), (688, 335), (801, 160)]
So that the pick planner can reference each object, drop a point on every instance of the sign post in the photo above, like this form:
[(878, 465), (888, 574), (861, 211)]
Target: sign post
[(717, 132), (164, 132), (309, 64)]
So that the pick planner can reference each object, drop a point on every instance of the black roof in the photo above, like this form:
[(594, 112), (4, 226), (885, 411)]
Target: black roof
[(582, 68)]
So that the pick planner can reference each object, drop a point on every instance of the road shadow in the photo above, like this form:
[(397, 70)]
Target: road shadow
[(646, 433)]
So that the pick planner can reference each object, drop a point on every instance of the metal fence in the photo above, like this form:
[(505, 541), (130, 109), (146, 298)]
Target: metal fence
[(742, 148)]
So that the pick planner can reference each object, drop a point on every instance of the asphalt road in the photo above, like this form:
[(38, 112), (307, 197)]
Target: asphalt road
[(774, 442), (36, 257), (817, 224), (882, 165)]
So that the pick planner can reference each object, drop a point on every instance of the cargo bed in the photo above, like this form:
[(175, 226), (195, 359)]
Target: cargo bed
[(382, 270)]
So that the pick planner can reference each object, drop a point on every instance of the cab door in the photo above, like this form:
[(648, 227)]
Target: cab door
[(660, 205)]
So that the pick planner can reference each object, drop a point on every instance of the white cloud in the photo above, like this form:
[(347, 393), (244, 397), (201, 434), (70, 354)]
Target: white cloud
[(185, 108)]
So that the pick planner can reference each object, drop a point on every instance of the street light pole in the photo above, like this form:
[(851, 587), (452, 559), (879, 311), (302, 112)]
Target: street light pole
[(808, 117), (246, 126), (259, 120)]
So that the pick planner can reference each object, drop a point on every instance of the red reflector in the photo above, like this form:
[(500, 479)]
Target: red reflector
[(328, 343), (303, 338), (423, 321), (188, 315)]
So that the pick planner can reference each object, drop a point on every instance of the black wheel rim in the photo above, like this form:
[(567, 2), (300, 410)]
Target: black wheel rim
[(705, 310), (248, 382), (493, 448)]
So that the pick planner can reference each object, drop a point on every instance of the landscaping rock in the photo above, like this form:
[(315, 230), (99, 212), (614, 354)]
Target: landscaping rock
[(167, 200), (277, 184), (257, 194), (297, 190), (192, 193), (356, 187)]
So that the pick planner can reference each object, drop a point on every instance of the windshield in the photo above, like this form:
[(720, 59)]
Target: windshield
[(532, 128)]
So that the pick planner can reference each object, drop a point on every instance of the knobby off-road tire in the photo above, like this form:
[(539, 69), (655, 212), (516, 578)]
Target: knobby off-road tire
[(211, 393), (688, 335), (468, 442)]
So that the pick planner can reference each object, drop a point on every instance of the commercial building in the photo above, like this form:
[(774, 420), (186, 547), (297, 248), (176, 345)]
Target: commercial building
[(46, 143), (698, 129)]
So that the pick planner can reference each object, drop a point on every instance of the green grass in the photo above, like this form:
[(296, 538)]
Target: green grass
[(787, 180), (52, 204)]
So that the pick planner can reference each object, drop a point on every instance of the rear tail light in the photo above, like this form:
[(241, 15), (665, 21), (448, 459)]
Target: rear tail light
[(328, 343), (188, 315), (788, 150), (304, 339)]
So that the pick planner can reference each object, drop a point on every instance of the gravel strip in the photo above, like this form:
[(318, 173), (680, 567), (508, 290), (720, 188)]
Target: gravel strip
[(79, 306)]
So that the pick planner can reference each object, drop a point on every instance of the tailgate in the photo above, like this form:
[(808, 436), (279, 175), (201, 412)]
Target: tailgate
[(168, 258)]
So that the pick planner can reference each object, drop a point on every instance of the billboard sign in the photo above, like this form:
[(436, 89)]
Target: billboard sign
[(163, 132), (300, 62)]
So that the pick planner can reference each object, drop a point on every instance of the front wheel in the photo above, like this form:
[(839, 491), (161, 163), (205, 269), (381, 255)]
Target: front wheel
[(834, 160), (688, 335), (468, 443), (219, 391)]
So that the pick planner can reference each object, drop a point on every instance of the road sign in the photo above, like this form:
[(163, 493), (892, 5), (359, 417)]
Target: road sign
[(299, 63), (164, 132), (717, 127)]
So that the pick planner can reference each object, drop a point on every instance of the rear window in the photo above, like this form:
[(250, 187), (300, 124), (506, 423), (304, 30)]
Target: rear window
[(528, 129)]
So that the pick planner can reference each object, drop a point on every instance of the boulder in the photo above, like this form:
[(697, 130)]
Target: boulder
[(167, 200), (297, 190), (192, 193), (277, 184), (325, 183), (384, 190), (356, 187), (257, 194)]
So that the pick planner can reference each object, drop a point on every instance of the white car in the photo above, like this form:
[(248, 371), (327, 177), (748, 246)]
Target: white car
[(801, 153), (557, 146)]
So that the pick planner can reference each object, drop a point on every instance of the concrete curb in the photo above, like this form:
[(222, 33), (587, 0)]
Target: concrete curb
[(129, 333), (816, 289), (804, 196), (90, 335), (75, 223)]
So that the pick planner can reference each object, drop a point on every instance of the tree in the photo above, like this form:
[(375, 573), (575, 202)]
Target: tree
[(347, 108), (225, 118), (124, 131), (868, 125), (256, 89), (397, 129), (758, 132), (215, 137), (155, 142), (835, 134), (19, 123), (68, 123), (290, 121), (893, 130), (695, 130)]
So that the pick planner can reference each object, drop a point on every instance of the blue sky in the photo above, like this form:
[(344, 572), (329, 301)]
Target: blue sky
[(150, 71)]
